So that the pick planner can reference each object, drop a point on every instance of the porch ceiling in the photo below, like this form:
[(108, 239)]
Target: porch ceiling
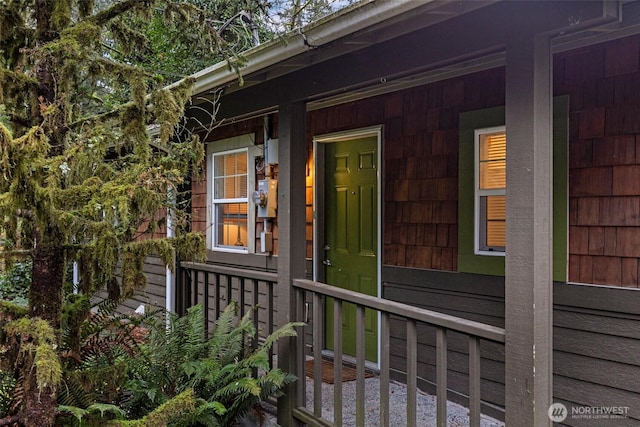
[(417, 43)]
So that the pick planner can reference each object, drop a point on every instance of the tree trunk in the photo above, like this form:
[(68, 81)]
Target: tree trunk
[(45, 297), (45, 302)]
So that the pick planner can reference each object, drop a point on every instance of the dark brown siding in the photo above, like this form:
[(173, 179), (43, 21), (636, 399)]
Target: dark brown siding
[(596, 338), (153, 296)]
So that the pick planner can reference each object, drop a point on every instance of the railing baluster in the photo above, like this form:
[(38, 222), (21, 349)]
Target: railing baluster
[(412, 372), (187, 293), (229, 288), (256, 314), (195, 287), (318, 333), (205, 291), (301, 398), (360, 361), (337, 362), (217, 287), (474, 381), (241, 290), (187, 290), (441, 377), (270, 325), (384, 368)]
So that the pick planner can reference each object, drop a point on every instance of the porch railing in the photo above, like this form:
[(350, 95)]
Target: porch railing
[(412, 316), (215, 286)]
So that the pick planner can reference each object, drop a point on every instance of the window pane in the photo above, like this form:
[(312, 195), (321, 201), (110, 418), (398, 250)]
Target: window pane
[(231, 224), (492, 155), (493, 174), (496, 234), (230, 175), (496, 208), (492, 217), (218, 185), (243, 186)]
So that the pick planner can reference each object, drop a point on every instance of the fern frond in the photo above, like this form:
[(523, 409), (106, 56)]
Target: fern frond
[(104, 408), (287, 330)]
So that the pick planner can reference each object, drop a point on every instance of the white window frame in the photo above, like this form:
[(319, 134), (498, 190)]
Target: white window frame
[(479, 193), (228, 146)]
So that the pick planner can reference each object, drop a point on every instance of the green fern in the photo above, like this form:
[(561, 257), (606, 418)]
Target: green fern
[(7, 384), (221, 370), (97, 344), (176, 376)]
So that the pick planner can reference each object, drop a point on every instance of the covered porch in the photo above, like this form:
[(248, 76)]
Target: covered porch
[(367, 52)]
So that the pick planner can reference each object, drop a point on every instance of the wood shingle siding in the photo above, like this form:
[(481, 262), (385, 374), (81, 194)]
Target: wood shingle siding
[(604, 186)]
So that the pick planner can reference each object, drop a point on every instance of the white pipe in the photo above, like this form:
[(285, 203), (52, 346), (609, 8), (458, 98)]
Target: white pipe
[(76, 277), (169, 276)]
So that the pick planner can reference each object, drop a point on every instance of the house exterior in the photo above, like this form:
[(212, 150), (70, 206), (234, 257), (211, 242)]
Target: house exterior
[(478, 159)]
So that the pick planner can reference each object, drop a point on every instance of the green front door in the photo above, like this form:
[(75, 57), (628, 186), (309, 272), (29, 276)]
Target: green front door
[(351, 234)]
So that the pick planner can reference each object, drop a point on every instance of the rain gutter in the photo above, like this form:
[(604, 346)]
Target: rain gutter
[(327, 30)]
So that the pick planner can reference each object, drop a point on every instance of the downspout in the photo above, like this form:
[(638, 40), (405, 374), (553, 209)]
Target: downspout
[(170, 283)]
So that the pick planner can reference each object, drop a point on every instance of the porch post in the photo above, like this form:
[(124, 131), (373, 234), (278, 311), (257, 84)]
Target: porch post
[(528, 271), (291, 241)]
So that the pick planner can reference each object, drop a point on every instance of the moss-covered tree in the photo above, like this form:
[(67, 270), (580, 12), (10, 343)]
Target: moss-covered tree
[(82, 178)]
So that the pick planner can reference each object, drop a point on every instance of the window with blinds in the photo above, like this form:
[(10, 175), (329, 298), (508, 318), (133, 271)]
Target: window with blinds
[(491, 182), (230, 199)]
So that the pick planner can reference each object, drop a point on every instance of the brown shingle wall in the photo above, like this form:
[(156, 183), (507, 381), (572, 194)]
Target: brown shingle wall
[(420, 162), (603, 83), (199, 182), (420, 152)]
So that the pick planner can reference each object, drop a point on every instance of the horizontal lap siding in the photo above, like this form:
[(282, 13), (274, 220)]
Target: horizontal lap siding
[(153, 296), (596, 338), (436, 291), (596, 349)]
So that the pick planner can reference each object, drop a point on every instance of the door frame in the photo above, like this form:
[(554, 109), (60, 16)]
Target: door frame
[(319, 143)]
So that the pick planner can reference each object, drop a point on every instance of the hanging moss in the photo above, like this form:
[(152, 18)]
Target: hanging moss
[(174, 408), (10, 311), (74, 313), (38, 340), (169, 104), (77, 169)]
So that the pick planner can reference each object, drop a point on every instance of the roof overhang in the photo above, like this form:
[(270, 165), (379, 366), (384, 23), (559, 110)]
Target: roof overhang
[(354, 30), (357, 26)]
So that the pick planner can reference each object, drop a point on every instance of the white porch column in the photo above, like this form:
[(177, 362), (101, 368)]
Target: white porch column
[(528, 281), (291, 240)]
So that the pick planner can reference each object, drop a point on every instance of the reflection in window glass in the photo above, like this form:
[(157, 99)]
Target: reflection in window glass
[(491, 178), (230, 202)]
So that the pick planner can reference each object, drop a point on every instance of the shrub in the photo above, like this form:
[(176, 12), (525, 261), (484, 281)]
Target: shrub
[(15, 282), (204, 381)]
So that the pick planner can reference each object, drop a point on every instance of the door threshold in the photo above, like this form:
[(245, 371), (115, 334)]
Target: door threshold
[(370, 366)]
